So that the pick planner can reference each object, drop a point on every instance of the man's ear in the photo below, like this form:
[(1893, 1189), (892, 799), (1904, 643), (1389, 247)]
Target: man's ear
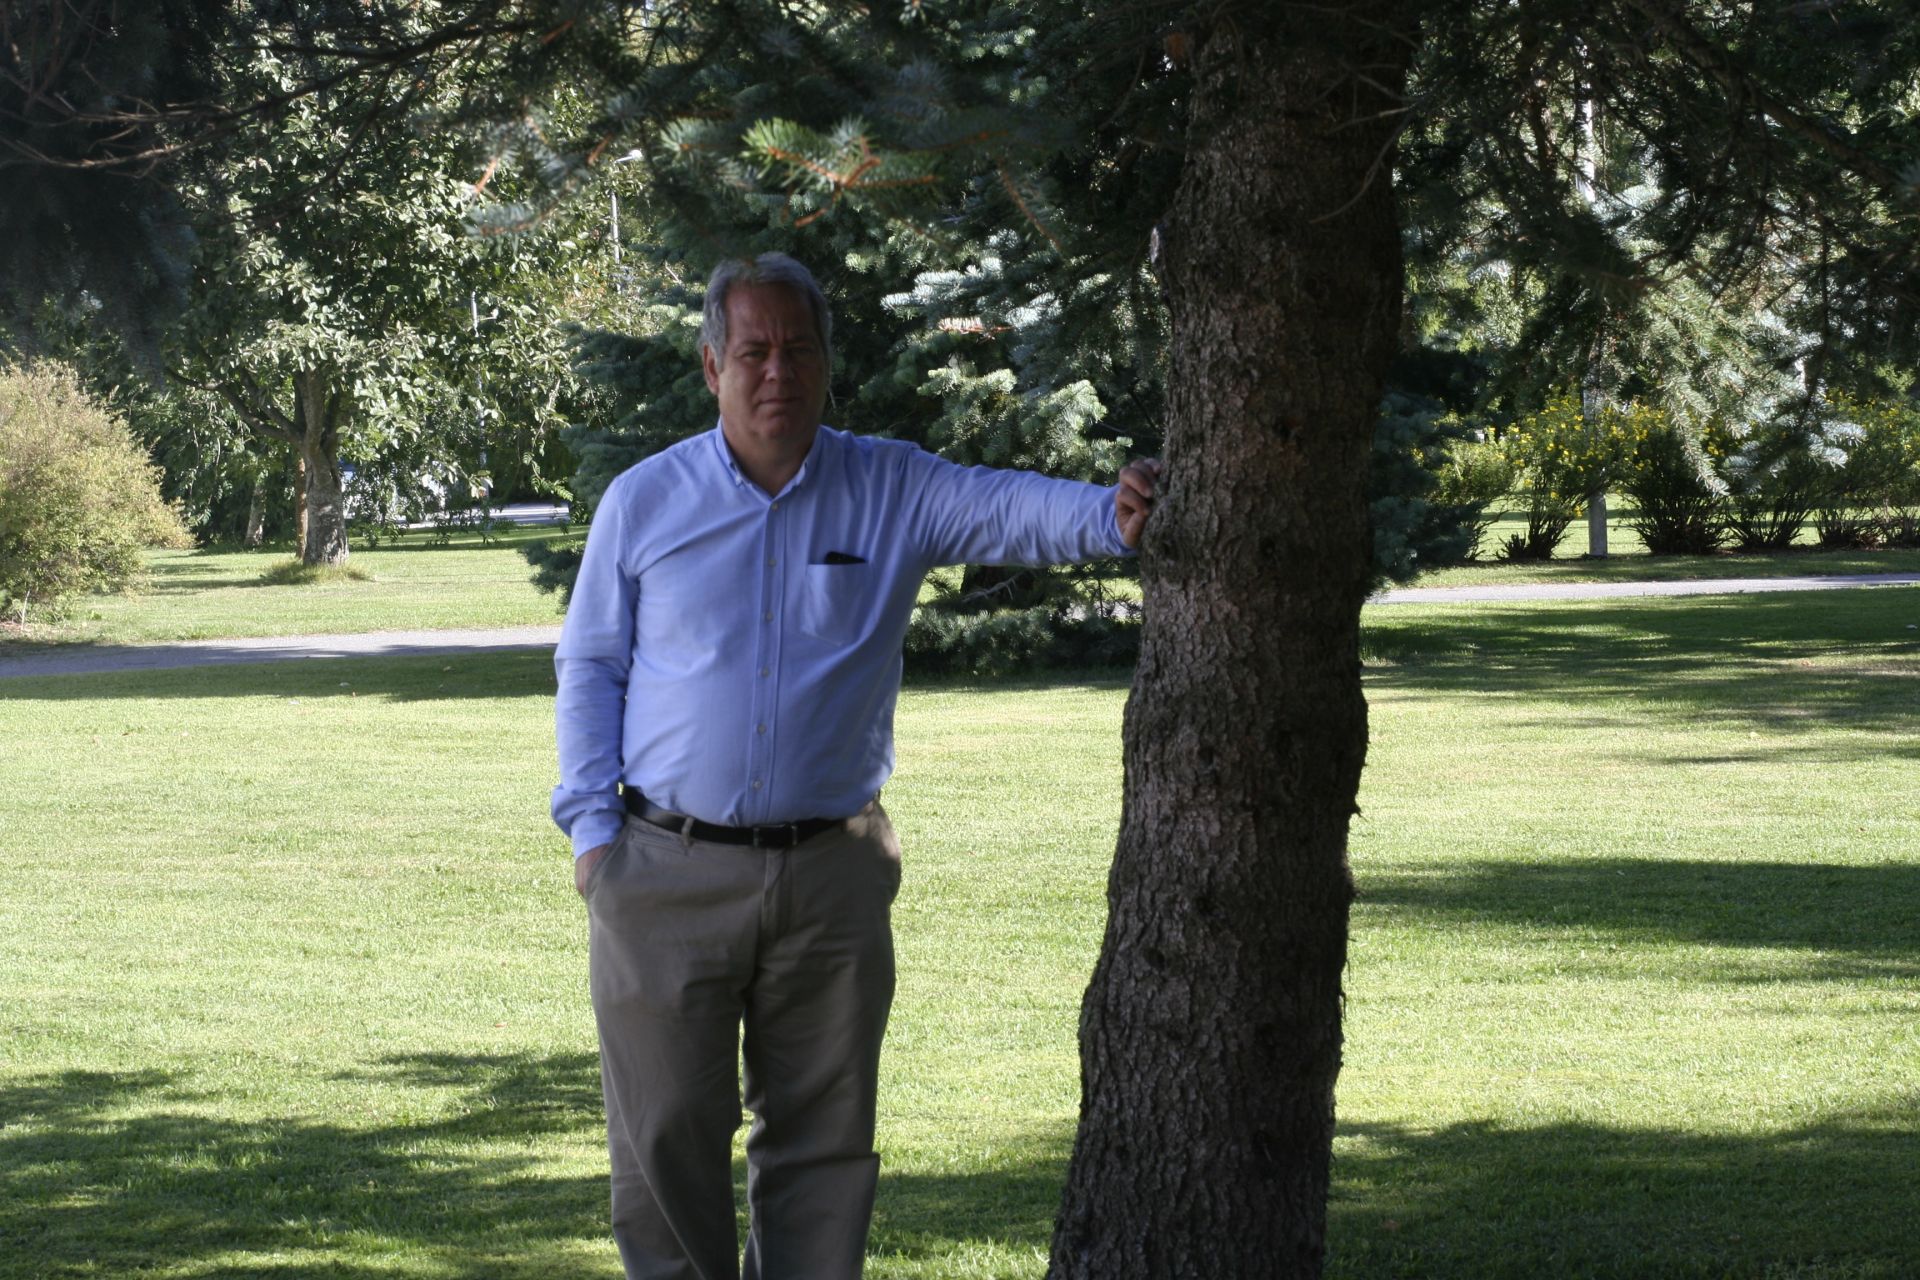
[(710, 367)]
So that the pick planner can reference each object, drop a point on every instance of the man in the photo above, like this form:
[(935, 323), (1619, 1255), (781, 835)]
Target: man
[(727, 677)]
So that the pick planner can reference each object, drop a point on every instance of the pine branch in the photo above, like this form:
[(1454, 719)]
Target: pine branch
[(1720, 65), (212, 120), (1006, 180)]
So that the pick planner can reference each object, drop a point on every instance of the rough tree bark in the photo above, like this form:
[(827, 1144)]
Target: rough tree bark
[(299, 496), (323, 538), (1210, 1034), (256, 530)]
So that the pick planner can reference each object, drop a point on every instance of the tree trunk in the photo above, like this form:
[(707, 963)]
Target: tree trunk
[(256, 531), (1210, 1034), (299, 498), (324, 538)]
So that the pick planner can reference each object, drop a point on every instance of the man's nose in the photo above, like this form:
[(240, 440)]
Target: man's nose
[(780, 367)]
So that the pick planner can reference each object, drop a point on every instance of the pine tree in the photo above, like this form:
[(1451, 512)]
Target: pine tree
[(1240, 160), (1249, 153), (87, 155)]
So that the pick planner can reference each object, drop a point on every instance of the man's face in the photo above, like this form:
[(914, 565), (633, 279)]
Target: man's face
[(773, 383)]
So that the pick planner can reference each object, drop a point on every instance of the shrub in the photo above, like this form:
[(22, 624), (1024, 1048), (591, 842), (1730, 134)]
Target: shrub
[(79, 498), (1560, 457), (1679, 502), (1476, 474), (1875, 491), (556, 563), (1778, 472), (940, 642)]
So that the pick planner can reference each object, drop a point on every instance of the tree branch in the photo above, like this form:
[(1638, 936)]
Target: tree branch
[(248, 412), (209, 120)]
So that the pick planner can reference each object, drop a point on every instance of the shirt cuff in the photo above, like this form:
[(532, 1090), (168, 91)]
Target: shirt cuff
[(594, 829), (1116, 545)]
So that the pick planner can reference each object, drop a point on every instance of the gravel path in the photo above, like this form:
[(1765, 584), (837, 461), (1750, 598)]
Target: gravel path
[(83, 659)]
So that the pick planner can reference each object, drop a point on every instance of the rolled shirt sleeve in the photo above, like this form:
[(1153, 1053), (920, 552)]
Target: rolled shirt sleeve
[(590, 668)]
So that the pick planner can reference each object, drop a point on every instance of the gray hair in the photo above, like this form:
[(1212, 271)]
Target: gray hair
[(768, 268)]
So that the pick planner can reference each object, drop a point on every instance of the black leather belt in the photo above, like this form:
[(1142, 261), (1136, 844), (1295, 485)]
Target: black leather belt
[(778, 835)]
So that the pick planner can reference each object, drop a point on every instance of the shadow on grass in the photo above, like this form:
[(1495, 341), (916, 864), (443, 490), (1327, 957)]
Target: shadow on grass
[(118, 1173), (112, 1174), (1832, 1200), (1855, 922), (922, 1216), (1777, 663), (177, 580)]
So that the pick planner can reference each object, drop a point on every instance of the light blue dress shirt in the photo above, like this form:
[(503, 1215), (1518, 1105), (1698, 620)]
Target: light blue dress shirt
[(718, 659)]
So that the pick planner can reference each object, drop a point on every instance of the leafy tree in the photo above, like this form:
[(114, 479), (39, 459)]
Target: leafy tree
[(246, 195), (337, 308), (110, 113), (319, 318)]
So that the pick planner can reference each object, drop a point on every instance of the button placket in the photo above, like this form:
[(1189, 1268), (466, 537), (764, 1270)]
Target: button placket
[(767, 664)]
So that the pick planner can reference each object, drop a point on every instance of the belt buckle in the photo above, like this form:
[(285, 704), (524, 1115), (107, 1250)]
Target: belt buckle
[(763, 836)]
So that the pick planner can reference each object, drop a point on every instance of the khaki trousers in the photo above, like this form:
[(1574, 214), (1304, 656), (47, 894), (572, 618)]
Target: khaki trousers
[(692, 941)]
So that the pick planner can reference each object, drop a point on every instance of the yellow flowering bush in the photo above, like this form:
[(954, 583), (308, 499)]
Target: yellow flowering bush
[(1560, 457)]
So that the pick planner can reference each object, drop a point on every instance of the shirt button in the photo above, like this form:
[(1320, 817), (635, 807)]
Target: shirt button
[(756, 784), (765, 671), (767, 616), (774, 507), (759, 728), (771, 562)]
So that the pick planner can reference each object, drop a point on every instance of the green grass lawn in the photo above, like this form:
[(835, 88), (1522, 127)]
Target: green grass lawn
[(292, 978), (1634, 967), (413, 584)]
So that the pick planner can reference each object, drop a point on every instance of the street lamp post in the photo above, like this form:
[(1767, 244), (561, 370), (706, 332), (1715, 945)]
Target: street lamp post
[(613, 206)]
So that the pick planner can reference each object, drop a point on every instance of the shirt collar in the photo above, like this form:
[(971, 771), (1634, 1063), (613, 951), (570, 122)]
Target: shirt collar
[(719, 434)]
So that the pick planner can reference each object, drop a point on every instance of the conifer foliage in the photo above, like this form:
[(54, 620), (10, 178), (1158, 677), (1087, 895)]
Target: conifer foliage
[(90, 94)]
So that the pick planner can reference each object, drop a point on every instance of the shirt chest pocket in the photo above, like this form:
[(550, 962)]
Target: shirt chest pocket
[(836, 601)]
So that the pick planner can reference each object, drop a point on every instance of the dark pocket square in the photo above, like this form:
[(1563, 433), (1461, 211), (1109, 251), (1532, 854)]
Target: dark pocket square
[(841, 557)]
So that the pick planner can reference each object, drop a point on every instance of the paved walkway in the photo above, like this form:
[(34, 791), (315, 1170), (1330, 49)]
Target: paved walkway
[(1605, 590), (84, 659), (87, 658)]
